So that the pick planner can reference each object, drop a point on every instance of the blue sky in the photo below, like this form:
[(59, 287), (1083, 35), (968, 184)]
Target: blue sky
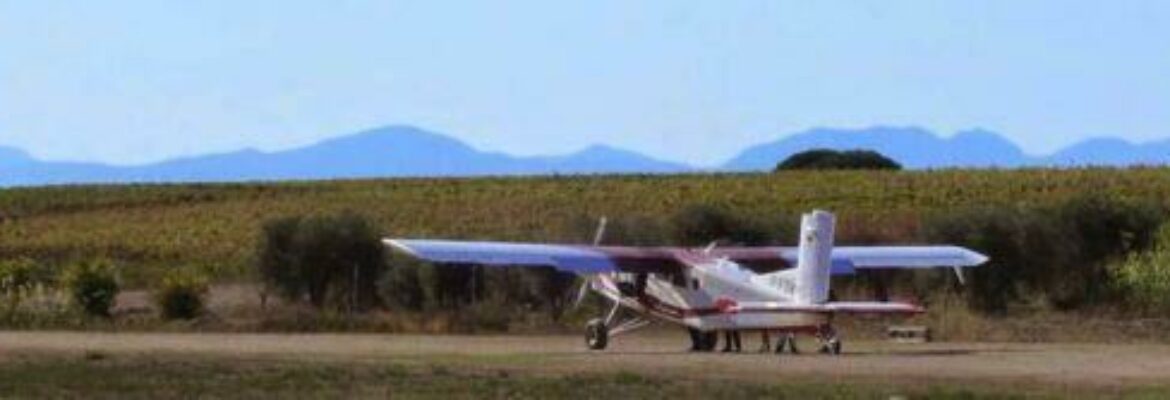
[(138, 81)]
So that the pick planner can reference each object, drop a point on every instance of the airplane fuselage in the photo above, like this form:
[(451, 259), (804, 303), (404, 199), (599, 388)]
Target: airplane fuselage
[(712, 294)]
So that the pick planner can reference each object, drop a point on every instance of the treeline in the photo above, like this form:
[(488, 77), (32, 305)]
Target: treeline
[(1091, 252), (1066, 256), (337, 263)]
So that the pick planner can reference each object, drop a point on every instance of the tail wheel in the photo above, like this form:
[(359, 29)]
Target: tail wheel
[(596, 334)]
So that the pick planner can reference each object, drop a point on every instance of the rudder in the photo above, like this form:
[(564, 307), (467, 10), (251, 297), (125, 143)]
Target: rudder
[(814, 257)]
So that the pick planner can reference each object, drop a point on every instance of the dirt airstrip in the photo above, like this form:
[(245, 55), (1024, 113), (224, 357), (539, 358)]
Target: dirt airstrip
[(652, 353)]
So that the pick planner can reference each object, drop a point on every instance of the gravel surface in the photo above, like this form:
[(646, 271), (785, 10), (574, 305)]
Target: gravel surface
[(652, 353)]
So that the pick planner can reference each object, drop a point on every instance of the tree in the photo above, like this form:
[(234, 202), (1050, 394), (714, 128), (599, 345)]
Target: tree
[(833, 159), (330, 260)]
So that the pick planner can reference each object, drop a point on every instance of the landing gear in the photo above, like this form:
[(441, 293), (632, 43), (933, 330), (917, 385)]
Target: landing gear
[(830, 341), (596, 334), (787, 341), (599, 330)]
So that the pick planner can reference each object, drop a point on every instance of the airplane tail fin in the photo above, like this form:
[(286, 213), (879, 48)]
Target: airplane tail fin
[(814, 257)]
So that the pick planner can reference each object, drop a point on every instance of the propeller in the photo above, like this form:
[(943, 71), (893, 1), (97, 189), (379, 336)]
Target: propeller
[(600, 233), (582, 292), (597, 237)]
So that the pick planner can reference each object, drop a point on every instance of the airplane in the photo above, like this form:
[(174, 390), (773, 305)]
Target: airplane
[(711, 289)]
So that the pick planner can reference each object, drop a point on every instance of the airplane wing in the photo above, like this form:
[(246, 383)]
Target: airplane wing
[(847, 259), (588, 259), (568, 258)]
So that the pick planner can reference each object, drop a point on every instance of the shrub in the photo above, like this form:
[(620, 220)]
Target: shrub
[(181, 294), (1144, 277), (93, 286), (332, 260), (20, 275), (18, 278)]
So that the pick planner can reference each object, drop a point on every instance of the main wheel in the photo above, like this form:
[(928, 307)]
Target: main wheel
[(830, 341), (596, 334), (835, 346)]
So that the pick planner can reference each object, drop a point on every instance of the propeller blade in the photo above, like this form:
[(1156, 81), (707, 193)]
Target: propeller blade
[(710, 247), (600, 234), (581, 293)]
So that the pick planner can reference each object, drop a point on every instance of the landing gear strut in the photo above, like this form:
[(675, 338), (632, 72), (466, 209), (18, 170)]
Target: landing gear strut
[(596, 334), (599, 330), (830, 341)]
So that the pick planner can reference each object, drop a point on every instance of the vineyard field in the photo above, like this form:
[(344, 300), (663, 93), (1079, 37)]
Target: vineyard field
[(216, 226)]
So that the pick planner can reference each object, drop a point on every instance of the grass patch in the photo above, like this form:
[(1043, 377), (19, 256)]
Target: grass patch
[(140, 376)]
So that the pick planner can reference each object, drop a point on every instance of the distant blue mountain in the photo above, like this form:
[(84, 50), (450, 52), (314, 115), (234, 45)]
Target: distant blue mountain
[(912, 147), (1112, 151), (917, 148), (405, 151), (399, 151)]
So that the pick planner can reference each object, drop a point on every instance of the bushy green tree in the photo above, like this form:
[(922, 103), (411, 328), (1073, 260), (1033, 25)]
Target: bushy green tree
[(833, 159), (93, 286), (332, 260)]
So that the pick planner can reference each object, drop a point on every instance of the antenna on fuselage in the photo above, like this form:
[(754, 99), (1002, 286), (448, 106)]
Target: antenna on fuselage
[(959, 274)]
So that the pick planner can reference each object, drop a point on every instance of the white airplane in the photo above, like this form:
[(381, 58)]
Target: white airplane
[(710, 289)]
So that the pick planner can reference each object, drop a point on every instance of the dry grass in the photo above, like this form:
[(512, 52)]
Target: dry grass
[(369, 365)]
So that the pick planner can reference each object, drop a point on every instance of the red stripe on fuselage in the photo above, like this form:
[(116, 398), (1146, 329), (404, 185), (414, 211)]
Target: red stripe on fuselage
[(656, 305)]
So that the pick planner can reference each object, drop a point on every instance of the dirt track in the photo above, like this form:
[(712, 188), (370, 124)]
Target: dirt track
[(660, 354)]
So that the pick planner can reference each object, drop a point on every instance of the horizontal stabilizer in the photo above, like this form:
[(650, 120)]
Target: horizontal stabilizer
[(836, 307), (907, 256)]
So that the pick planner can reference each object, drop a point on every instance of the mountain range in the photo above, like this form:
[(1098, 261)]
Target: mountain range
[(406, 151)]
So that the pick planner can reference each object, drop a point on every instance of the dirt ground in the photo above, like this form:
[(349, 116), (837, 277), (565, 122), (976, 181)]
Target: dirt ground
[(1065, 365)]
